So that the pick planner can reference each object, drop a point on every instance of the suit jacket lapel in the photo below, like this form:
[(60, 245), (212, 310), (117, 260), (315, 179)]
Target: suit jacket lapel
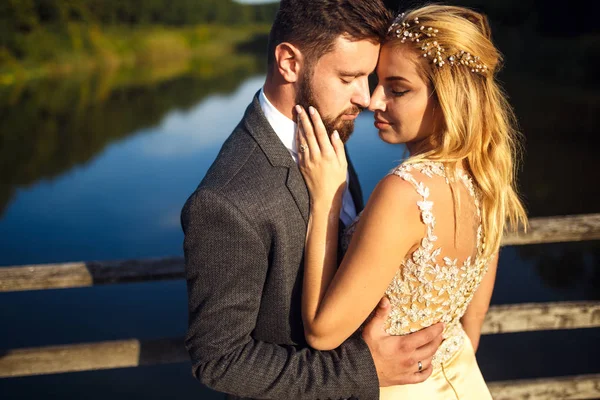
[(354, 186), (278, 155), (299, 191)]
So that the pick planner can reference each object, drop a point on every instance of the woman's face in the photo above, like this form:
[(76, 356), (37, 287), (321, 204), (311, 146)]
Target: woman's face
[(404, 107)]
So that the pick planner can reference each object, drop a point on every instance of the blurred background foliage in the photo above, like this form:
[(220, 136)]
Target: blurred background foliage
[(38, 37)]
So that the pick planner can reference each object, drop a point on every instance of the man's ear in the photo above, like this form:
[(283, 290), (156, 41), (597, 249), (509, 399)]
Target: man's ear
[(288, 61)]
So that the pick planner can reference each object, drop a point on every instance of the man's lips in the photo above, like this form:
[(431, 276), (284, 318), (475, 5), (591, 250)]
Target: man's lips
[(349, 116)]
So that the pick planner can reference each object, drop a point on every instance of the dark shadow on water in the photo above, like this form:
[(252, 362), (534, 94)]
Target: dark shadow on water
[(172, 381), (548, 273), (566, 266), (531, 355)]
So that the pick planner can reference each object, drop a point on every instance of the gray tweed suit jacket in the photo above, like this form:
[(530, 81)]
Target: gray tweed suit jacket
[(245, 228)]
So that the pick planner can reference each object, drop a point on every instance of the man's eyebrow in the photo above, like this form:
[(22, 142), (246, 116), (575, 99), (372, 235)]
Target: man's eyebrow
[(352, 73)]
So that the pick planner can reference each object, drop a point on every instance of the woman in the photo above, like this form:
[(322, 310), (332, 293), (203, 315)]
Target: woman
[(429, 236)]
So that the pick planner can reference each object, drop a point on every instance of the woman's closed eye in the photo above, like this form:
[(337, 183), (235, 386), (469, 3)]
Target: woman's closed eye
[(399, 93)]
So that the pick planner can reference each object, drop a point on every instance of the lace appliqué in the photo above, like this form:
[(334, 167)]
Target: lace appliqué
[(427, 289)]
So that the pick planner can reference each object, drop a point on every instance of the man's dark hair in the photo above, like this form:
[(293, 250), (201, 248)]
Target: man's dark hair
[(313, 25)]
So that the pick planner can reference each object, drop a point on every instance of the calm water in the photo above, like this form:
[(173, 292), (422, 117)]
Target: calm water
[(97, 171)]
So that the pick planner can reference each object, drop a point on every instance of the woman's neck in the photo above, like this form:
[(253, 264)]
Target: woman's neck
[(419, 147)]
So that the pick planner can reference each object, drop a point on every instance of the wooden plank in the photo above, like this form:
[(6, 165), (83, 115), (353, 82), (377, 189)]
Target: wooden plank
[(572, 228), (32, 277), (131, 353), (541, 316), (90, 356), (81, 274), (570, 387)]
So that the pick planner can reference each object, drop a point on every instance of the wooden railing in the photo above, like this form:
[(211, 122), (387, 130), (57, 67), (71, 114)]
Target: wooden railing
[(132, 353), (80, 274)]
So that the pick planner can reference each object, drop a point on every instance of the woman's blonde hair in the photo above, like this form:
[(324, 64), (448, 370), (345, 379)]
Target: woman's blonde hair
[(479, 127)]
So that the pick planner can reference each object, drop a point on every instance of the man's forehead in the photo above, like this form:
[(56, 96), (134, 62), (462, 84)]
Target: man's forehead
[(350, 52), (347, 44)]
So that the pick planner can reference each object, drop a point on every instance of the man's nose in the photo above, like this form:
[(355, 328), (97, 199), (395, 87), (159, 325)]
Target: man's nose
[(362, 97)]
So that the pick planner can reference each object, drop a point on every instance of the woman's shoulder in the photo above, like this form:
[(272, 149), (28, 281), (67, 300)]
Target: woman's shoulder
[(396, 198)]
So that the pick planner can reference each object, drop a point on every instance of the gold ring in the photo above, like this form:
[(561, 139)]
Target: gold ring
[(303, 148)]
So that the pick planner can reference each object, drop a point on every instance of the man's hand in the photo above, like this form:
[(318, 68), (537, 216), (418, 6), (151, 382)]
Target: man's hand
[(397, 357)]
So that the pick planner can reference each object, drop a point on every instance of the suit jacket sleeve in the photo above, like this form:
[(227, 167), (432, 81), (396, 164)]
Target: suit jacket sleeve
[(226, 265)]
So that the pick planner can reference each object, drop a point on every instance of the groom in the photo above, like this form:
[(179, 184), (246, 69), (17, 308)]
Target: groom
[(245, 225)]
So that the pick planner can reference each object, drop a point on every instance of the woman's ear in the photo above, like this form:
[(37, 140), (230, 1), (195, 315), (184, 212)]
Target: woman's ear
[(288, 61)]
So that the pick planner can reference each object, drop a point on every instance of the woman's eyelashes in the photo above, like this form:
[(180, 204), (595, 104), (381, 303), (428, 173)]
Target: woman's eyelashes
[(399, 93)]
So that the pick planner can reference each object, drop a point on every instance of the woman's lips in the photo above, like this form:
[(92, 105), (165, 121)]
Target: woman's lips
[(380, 124)]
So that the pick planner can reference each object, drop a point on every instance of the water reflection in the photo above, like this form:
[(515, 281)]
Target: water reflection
[(126, 202), (50, 126)]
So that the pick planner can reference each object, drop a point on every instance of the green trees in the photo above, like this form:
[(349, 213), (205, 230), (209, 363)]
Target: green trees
[(34, 32), (27, 14)]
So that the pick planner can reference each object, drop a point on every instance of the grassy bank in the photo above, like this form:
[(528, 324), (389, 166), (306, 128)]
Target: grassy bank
[(81, 48)]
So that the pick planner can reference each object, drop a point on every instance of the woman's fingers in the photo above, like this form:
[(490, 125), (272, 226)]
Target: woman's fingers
[(313, 140), (338, 146), (306, 133), (301, 145), (320, 132)]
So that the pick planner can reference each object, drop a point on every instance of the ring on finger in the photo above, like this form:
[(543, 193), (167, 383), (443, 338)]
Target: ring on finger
[(303, 148), (420, 364)]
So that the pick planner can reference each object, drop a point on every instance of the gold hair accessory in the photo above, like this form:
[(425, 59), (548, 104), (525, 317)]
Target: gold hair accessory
[(418, 33)]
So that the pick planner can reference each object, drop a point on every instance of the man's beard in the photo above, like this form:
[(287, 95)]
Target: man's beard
[(306, 98)]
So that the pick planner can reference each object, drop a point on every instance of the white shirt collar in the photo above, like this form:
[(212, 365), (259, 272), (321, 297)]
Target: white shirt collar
[(284, 127)]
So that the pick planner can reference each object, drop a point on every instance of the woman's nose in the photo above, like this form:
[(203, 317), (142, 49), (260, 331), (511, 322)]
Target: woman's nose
[(377, 102)]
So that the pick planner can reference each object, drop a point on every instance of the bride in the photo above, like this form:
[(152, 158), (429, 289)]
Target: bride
[(429, 236)]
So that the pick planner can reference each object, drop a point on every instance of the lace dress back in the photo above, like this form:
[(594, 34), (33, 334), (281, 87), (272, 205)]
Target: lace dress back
[(433, 284)]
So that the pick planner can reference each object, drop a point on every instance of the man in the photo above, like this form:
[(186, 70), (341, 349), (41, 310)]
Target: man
[(245, 225)]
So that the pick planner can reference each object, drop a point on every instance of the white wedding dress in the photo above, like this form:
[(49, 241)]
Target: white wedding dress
[(432, 285)]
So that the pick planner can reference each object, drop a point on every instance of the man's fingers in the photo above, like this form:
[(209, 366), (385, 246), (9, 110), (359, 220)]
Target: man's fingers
[(382, 310), (375, 325), (429, 349), (422, 376), (425, 336), (384, 304)]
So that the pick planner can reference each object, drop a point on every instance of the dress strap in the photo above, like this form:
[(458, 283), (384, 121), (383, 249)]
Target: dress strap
[(425, 205)]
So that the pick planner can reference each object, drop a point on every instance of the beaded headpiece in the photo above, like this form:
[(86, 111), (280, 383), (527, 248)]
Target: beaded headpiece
[(415, 32)]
